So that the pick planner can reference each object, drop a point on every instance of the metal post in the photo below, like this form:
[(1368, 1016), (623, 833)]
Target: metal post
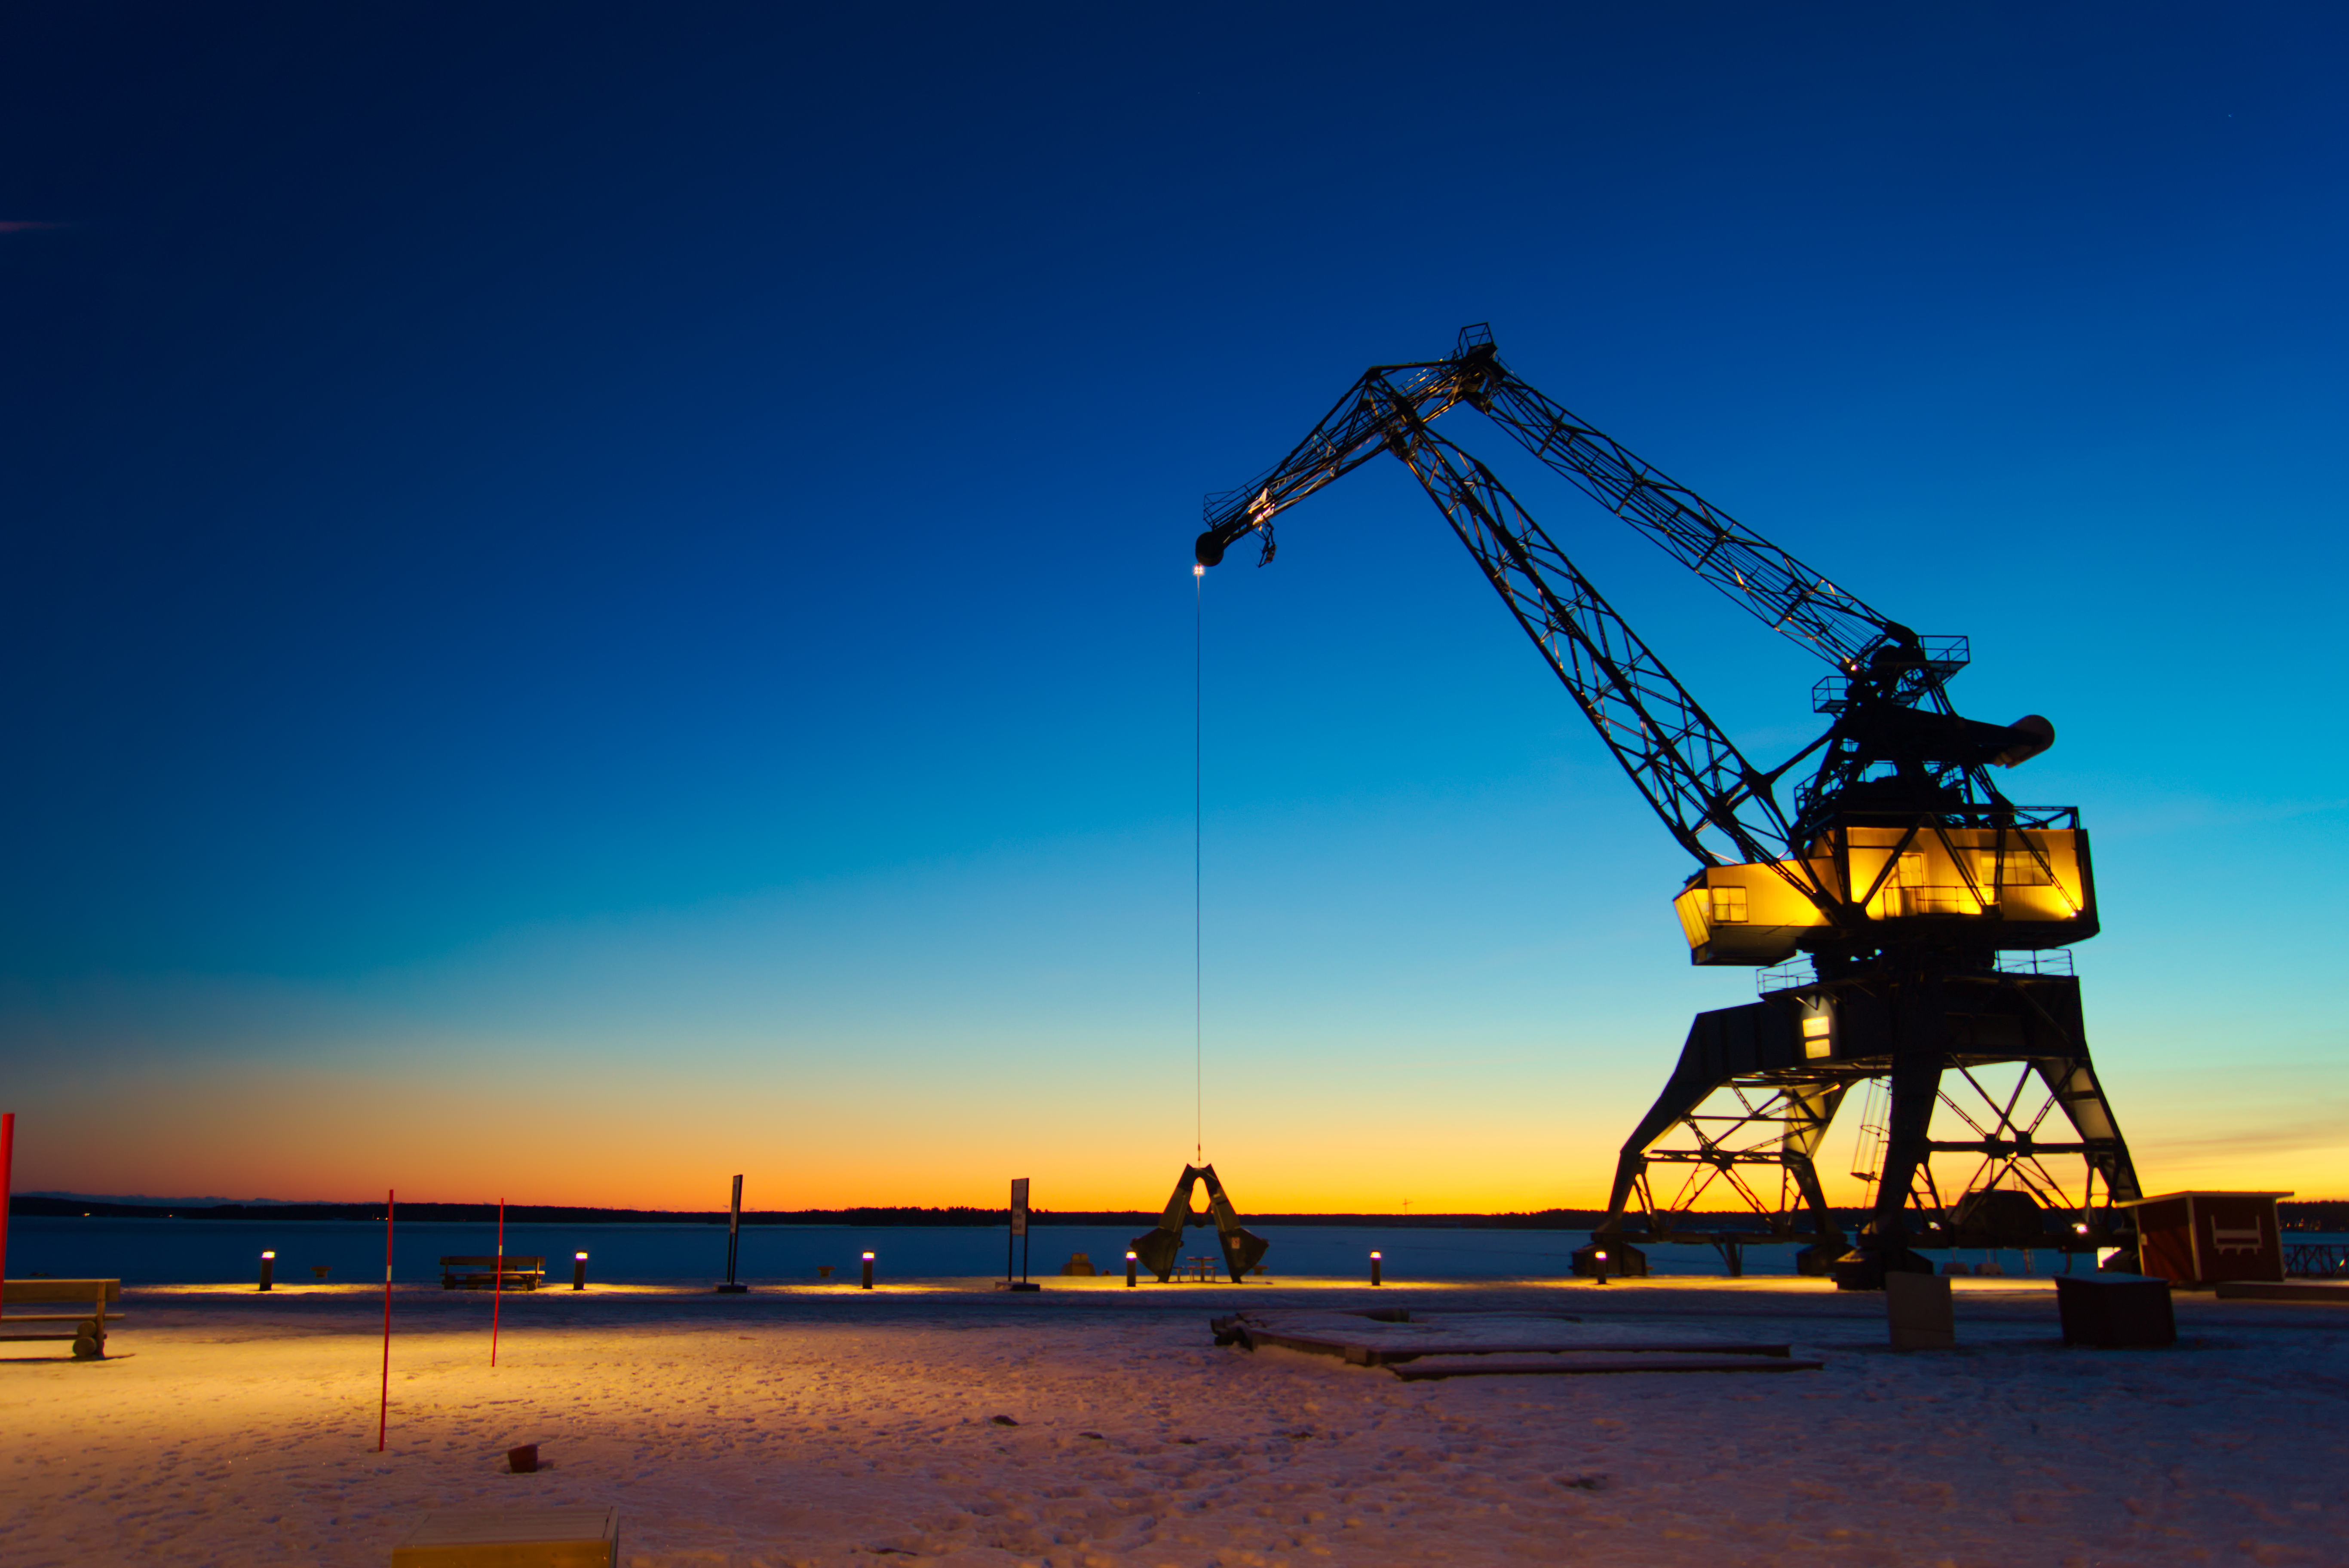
[(383, 1400), (7, 1168), (868, 1272), (1130, 1260), (733, 1242), (1016, 1245), (498, 1283), (1378, 1262), (268, 1269), (579, 1270)]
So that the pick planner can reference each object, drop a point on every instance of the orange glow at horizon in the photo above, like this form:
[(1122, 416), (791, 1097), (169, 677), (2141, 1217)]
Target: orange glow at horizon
[(321, 1138)]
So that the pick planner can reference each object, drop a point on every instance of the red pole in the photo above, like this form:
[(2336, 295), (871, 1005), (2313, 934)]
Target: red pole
[(383, 1410), (497, 1289), (7, 1164)]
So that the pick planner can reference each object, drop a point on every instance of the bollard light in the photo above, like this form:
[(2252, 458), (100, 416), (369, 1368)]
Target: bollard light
[(1599, 1259), (1129, 1270), (268, 1270), (1378, 1268), (579, 1270), (868, 1272)]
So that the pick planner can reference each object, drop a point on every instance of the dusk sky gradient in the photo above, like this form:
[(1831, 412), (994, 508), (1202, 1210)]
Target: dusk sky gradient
[(598, 597)]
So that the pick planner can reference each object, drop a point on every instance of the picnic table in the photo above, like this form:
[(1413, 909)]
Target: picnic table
[(514, 1271), (89, 1330)]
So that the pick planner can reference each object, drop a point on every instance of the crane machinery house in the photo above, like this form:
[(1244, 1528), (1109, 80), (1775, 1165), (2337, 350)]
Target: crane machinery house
[(2033, 884)]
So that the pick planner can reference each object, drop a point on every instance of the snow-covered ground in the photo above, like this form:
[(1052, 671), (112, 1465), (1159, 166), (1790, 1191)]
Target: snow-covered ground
[(831, 1426)]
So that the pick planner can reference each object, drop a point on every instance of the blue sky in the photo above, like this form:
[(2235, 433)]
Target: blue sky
[(636, 564)]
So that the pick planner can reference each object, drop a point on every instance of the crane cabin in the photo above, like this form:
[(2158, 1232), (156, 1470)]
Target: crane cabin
[(1868, 884)]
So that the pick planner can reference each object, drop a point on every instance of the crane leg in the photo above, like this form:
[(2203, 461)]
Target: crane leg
[(1754, 1048), (1915, 1086), (1911, 1035)]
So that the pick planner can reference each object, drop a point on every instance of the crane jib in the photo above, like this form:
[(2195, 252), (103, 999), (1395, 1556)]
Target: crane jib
[(1681, 756)]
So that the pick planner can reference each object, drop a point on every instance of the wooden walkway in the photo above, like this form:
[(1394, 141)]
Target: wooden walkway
[(1422, 1356)]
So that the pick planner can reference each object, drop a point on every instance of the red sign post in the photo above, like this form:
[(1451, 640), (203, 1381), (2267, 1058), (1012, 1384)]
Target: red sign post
[(7, 1165)]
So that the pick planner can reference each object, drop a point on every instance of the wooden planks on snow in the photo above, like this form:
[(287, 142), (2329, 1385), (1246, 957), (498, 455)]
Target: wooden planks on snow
[(1416, 1358), (2284, 1290), (1584, 1362)]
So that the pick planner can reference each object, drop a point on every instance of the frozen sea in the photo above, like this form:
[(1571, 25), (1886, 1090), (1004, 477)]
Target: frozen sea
[(226, 1252)]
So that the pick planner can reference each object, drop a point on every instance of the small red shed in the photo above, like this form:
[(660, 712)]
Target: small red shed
[(2201, 1238)]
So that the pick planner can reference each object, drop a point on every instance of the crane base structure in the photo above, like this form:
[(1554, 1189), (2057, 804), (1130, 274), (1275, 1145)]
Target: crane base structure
[(1986, 1070)]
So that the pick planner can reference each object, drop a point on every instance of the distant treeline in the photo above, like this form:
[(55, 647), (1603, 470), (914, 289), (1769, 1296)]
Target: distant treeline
[(541, 1213), (2320, 1214)]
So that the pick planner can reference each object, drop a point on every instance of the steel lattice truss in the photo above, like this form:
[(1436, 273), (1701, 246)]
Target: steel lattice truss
[(1779, 591), (1775, 1121), (1691, 773), (1773, 585), (2007, 1145), (1766, 1121), (1681, 760)]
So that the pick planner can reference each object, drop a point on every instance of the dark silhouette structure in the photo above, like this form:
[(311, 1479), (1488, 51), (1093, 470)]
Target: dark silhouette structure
[(1160, 1248), (1908, 917)]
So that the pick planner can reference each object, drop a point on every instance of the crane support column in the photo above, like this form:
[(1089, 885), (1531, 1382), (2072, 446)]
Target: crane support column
[(1988, 1071)]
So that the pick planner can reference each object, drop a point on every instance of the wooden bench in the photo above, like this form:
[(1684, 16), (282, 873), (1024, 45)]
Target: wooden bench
[(89, 1330), (520, 1273), (575, 1537)]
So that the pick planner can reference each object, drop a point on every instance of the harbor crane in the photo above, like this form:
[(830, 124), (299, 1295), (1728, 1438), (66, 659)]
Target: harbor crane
[(1909, 920)]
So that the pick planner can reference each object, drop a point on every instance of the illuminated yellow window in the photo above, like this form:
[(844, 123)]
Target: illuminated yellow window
[(1728, 905), (2022, 869), (1815, 1036)]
